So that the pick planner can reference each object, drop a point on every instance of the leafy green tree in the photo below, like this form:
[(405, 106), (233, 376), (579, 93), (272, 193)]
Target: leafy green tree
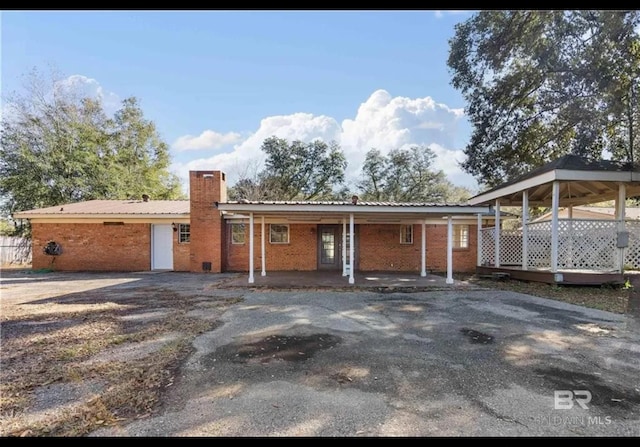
[(406, 175), (58, 146), (541, 84), (372, 184), (304, 171)]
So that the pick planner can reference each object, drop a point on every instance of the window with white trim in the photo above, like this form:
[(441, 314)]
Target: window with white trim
[(237, 233), (184, 233), (406, 234), (278, 234), (460, 236)]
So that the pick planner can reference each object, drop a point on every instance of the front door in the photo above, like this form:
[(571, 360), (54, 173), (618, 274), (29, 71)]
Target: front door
[(329, 247)]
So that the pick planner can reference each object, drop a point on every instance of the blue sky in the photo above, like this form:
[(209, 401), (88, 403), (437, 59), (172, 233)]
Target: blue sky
[(217, 83)]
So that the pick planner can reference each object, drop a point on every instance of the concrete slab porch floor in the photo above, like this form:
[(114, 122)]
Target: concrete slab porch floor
[(324, 279)]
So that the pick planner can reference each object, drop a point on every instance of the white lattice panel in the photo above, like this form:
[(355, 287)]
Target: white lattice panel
[(511, 247), (632, 253), (539, 244), (488, 246), (587, 244)]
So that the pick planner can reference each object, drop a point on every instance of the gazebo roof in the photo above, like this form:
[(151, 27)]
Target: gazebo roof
[(582, 181)]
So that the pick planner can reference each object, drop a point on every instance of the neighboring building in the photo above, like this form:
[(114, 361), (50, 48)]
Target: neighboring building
[(209, 233), (591, 212)]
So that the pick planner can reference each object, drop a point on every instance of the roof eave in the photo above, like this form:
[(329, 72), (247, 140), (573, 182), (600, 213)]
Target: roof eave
[(342, 209), (550, 176), (99, 216)]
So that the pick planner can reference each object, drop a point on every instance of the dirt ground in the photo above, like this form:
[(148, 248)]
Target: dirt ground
[(84, 350)]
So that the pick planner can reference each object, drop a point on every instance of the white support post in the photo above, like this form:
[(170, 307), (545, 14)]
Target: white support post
[(496, 261), (555, 203), (525, 229), (352, 264), (479, 241), (449, 250), (344, 246), (423, 251), (621, 211), (262, 248), (251, 280), (570, 234)]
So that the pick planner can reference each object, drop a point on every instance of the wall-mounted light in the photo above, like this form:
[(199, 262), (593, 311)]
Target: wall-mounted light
[(174, 226)]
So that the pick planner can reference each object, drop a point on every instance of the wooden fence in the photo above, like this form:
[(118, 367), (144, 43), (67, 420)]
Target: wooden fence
[(15, 250)]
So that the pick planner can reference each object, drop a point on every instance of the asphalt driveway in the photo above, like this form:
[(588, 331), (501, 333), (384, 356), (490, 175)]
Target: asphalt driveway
[(361, 363)]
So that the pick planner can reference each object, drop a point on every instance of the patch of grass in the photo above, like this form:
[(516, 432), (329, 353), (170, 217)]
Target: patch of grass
[(129, 390), (611, 298)]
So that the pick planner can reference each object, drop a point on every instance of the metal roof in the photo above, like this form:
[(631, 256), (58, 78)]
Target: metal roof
[(345, 203), (584, 181), (157, 208)]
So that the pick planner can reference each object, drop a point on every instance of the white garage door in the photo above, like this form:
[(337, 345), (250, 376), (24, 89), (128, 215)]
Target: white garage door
[(161, 247)]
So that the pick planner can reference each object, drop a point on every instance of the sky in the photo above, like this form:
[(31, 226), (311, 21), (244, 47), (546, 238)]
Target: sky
[(218, 83)]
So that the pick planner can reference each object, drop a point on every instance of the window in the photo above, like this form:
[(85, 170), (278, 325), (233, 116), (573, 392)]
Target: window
[(406, 234), (184, 233), (461, 236), (237, 233), (279, 234)]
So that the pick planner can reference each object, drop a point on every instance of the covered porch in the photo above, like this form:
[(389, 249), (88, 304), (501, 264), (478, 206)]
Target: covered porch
[(333, 232), (568, 250)]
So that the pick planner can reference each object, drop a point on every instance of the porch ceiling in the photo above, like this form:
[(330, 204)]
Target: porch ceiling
[(582, 182), (378, 213), (572, 193), (359, 218)]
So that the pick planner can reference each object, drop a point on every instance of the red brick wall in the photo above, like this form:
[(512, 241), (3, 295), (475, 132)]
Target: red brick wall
[(205, 188), (181, 254), (380, 249), (93, 246), (299, 254), (464, 260)]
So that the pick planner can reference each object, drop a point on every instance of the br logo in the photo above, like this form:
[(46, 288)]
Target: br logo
[(564, 399)]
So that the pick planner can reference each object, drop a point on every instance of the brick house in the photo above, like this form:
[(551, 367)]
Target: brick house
[(211, 234)]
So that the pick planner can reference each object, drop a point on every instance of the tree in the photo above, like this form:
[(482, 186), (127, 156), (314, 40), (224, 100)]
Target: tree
[(303, 171), (58, 146), (406, 175), (541, 84)]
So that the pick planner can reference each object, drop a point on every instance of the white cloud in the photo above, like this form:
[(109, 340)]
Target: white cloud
[(383, 122), (206, 140), (440, 14), (299, 126), (86, 86)]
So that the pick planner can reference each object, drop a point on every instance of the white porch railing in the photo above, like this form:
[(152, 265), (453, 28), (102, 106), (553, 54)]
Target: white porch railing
[(632, 252), (589, 244)]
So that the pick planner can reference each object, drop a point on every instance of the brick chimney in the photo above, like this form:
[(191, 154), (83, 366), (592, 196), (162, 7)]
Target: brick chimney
[(205, 189)]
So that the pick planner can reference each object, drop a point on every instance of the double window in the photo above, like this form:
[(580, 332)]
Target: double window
[(278, 234), (184, 233), (460, 236), (237, 233), (406, 234)]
